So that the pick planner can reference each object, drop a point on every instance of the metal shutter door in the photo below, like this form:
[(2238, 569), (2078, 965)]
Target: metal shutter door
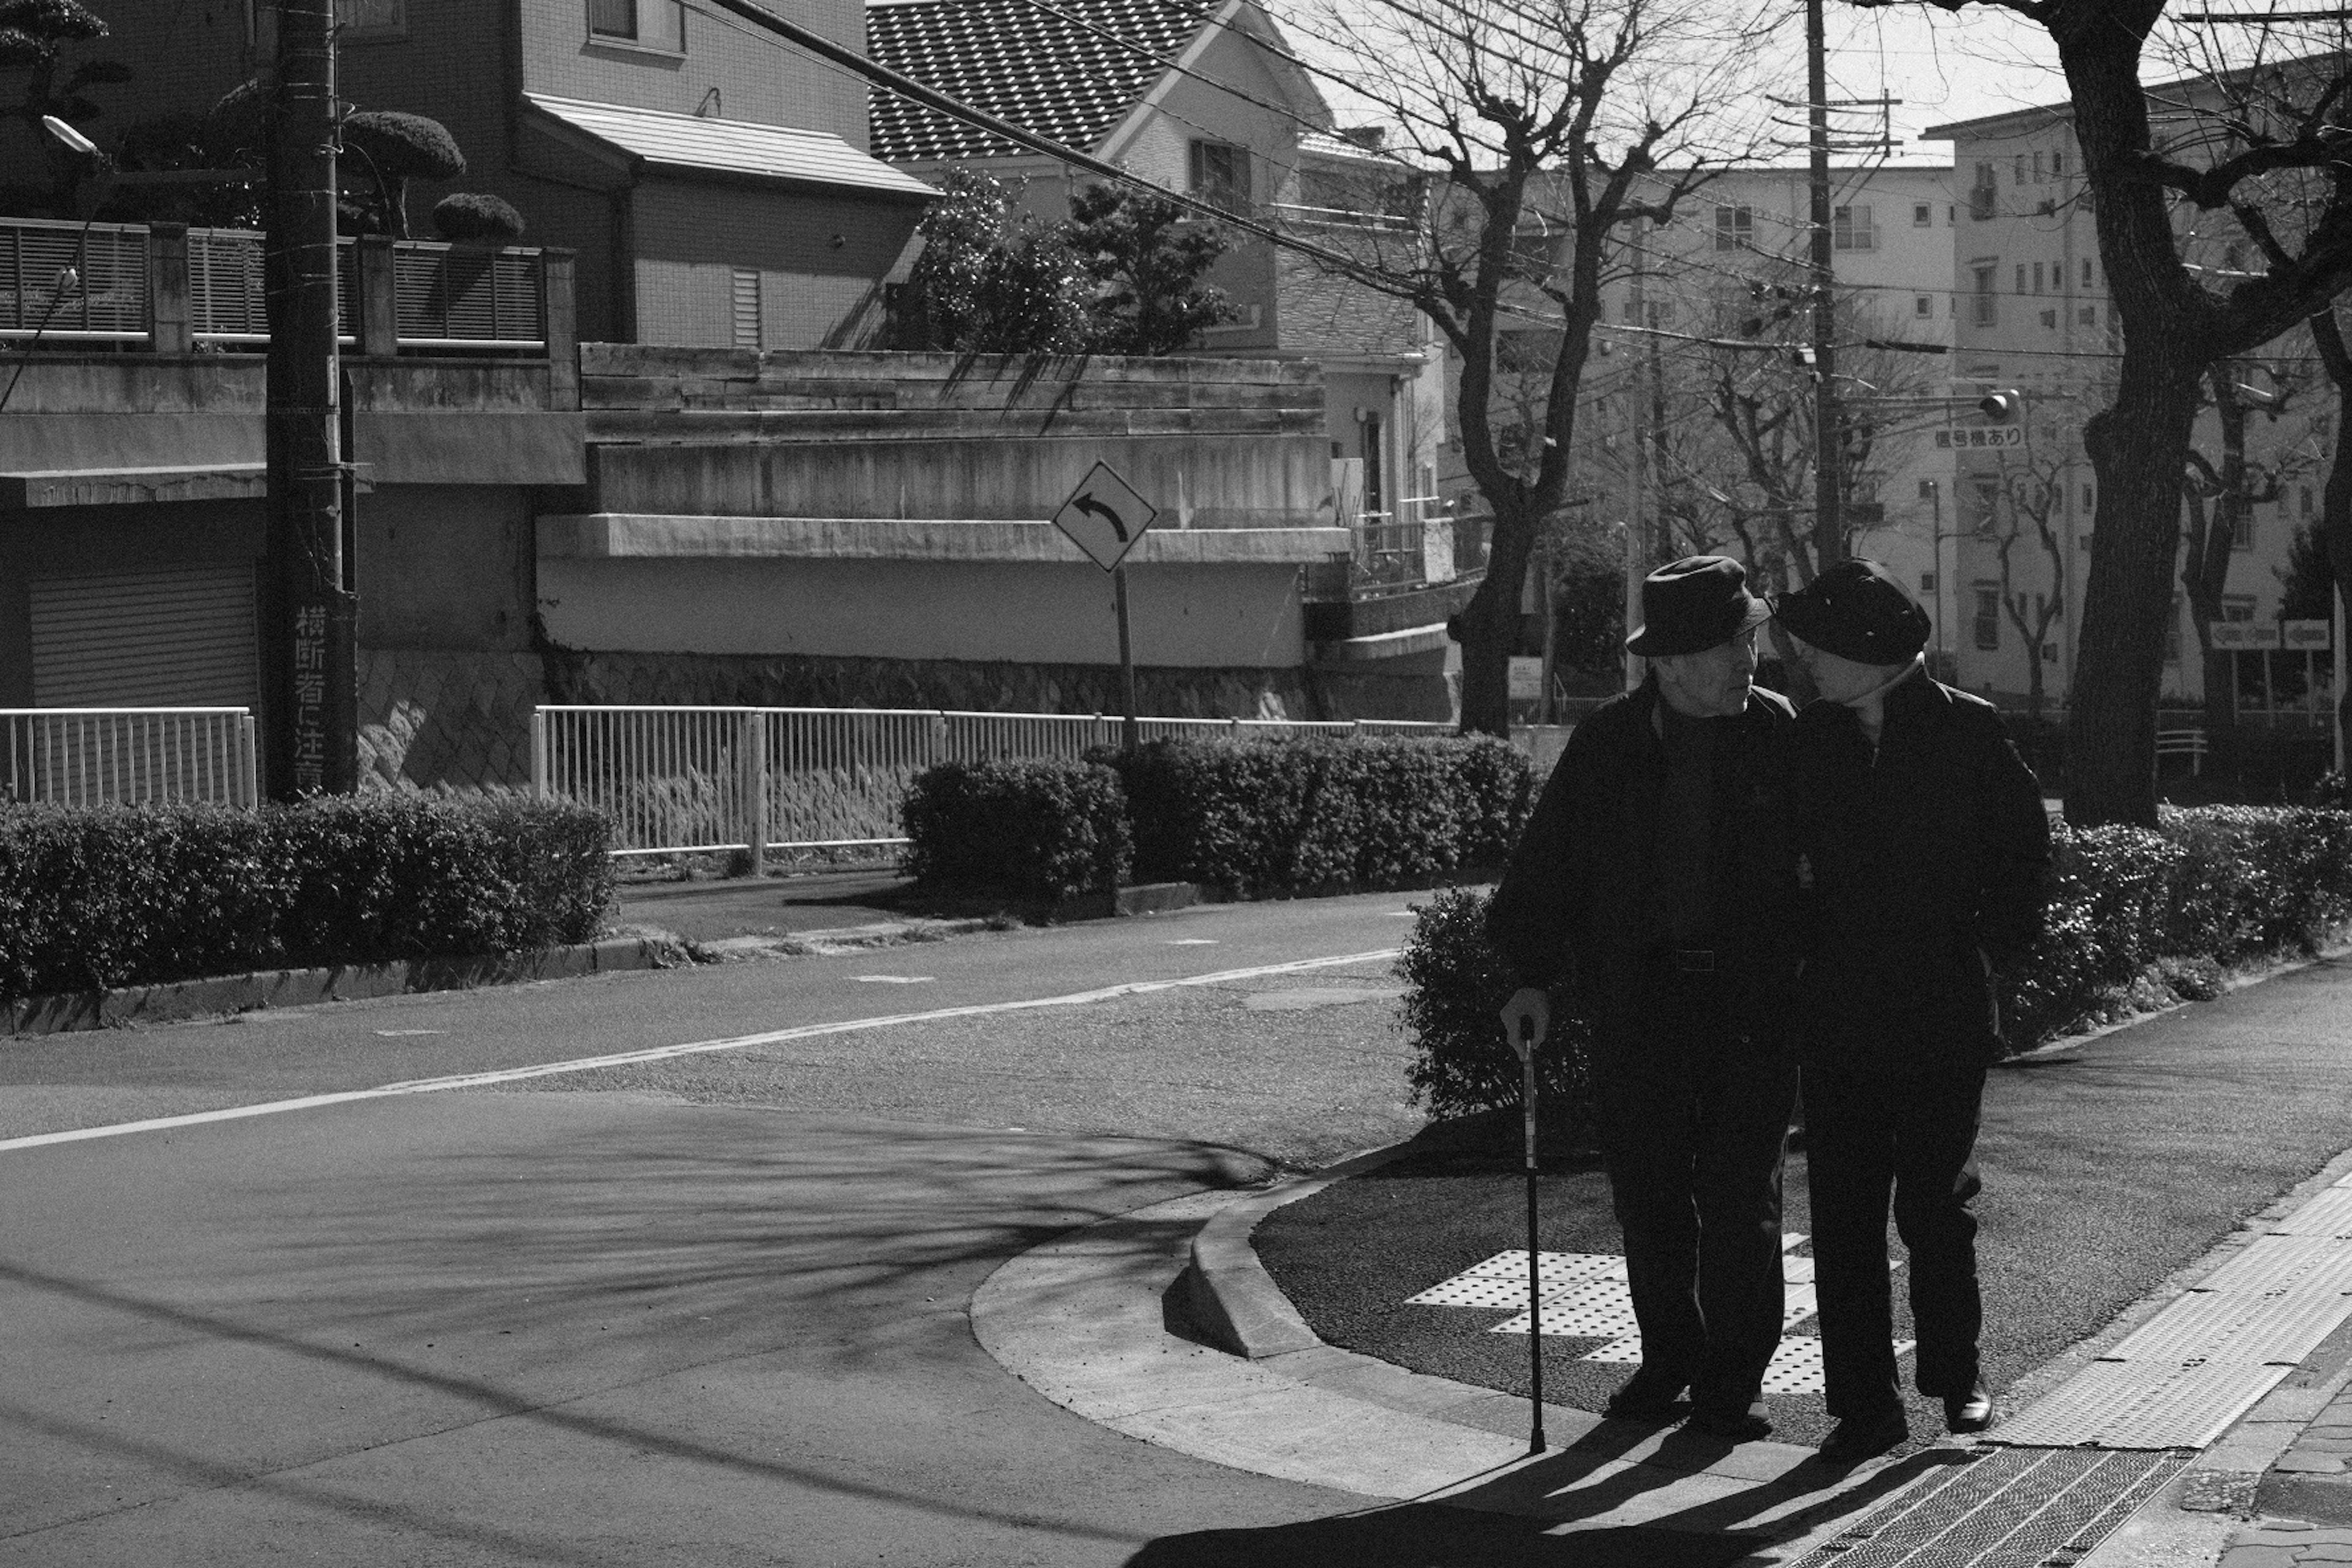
[(180, 636)]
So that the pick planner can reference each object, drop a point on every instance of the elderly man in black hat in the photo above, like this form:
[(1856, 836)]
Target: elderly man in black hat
[(1924, 845), (1658, 877)]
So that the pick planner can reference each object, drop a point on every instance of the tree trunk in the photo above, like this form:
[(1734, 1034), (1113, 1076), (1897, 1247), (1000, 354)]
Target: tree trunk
[(2336, 497), (1489, 626), (2137, 449)]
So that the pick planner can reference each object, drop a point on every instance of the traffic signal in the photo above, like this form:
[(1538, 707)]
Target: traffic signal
[(2001, 406)]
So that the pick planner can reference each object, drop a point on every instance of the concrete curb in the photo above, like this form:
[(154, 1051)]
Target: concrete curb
[(176, 999), (1234, 1302)]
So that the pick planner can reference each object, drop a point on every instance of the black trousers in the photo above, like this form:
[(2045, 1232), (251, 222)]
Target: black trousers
[(1693, 1117), (1911, 1137)]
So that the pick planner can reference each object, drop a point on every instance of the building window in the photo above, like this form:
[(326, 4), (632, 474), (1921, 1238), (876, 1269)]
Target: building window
[(1923, 305), (2037, 277), (612, 19), (2038, 175), (1980, 194), (1987, 307), (2057, 163), (1220, 175), (1988, 618), (1927, 582), (1850, 229), (2017, 174), (2241, 533), (2021, 277), (2087, 272), (1984, 512), (2087, 508), (1923, 215), (364, 19), (743, 300), (1735, 227), (1952, 213)]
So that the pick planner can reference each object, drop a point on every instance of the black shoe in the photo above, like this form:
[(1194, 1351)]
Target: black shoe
[(1733, 1423), (1860, 1438), (1648, 1396), (1969, 1412)]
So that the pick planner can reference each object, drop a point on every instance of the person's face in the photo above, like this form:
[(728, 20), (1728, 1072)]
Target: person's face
[(1712, 683), (1839, 679)]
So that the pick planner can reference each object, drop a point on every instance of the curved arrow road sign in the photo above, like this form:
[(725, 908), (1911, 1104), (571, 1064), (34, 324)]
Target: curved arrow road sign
[(1105, 516)]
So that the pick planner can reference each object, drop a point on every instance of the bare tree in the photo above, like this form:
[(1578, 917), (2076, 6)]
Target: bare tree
[(2029, 500), (2336, 497), (2251, 141), (1554, 126), (2221, 500)]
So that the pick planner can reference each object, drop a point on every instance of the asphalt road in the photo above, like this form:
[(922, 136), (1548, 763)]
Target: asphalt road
[(709, 1310)]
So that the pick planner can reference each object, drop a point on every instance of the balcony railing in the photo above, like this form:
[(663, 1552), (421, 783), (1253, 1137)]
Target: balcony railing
[(170, 289)]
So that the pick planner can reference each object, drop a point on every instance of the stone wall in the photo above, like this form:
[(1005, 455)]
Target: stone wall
[(433, 718), (814, 682)]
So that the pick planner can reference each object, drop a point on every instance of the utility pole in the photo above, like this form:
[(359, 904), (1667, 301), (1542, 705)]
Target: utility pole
[(311, 696), (1829, 531)]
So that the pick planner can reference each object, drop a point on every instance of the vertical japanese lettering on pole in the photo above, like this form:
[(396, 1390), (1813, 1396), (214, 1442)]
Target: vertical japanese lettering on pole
[(311, 698)]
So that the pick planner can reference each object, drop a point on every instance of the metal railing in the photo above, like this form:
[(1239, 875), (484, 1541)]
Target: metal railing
[(126, 756), (76, 283), (686, 780), (73, 283)]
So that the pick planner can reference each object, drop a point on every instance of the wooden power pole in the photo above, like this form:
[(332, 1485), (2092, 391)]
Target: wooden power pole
[(1829, 532), (311, 696)]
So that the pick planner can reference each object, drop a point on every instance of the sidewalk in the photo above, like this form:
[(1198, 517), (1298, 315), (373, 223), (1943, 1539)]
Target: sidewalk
[(2133, 1179)]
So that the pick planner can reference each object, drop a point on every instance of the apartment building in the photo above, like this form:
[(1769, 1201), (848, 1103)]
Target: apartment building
[(2035, 317), (713, 181)]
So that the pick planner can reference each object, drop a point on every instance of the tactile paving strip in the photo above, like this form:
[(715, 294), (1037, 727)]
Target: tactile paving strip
[(2004, 1509), (2137, 1404), (2328, 1215), (1601, 1310), (1502, 1280), (2236, 1328), (2318, 1263)]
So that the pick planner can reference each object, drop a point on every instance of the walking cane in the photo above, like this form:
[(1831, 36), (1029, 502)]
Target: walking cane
[(1525, 1046)]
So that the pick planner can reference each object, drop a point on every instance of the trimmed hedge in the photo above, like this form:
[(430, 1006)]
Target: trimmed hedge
[(140, 895), (1290, 816), (2135, 917), (1040, 829)]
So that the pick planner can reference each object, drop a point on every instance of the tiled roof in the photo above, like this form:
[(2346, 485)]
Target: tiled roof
[(729, 146), (1020, 61)]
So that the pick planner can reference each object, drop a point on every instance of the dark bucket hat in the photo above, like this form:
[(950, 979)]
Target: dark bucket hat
[(1694, 603), (1856, 610)]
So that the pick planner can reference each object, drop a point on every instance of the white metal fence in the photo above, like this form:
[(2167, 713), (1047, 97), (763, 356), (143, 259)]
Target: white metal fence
[(120, 756), (677, 780)]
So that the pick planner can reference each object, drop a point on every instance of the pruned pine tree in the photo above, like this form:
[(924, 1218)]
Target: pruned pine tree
[(1549, 130)]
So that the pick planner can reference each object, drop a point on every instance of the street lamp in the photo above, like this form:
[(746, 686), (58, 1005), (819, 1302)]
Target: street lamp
[(68, 277)]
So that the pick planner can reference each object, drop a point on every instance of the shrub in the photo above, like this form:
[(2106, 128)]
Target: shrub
[(123, 895), (1457, 988), (1288, 816), (2131, 913), (1042, 829)]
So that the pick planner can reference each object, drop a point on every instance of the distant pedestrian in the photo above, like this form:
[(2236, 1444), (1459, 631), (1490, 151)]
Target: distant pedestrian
[(1657, 879), (1926, 848)]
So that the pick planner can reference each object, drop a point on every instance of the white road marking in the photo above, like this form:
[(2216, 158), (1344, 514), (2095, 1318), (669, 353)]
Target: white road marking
[(401, 1033), (893, 979), (1192, 941), (695, 1047)]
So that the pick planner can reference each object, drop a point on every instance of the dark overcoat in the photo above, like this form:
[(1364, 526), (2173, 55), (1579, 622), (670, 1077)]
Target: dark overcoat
[(1571, 909), (1926, 861)]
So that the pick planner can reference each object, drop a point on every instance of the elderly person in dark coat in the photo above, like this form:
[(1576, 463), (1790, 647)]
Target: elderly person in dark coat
[(1926, 846), (1658, 878)]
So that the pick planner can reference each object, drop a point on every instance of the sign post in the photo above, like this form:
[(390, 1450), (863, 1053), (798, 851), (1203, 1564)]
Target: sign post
[(1525, 1045), (1105, 517)]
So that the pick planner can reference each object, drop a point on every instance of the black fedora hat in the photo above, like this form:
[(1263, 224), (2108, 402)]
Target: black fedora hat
[(1856, 610), (1694, 603)]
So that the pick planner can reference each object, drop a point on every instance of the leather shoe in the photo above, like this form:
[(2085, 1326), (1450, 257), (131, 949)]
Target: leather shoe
[(1648, 1396), (1733, 1423), (1860, 1438), (1969, 1412)]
